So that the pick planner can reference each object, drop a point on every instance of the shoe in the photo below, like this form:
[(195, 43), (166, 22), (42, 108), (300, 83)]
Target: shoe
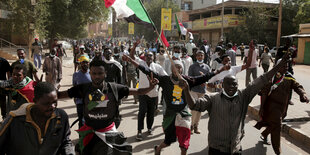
[(192, 129), (196, 130), (291, 103), (155, 150), (258, 125), (156, 112), (150, 132), (139, 136), (265, 140)]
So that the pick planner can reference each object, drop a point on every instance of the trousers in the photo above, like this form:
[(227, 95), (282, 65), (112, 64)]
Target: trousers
[(250, 71), (146, 106), (37, 60), (196, 114)]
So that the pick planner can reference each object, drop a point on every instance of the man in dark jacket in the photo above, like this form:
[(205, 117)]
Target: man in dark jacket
[(38, 128)]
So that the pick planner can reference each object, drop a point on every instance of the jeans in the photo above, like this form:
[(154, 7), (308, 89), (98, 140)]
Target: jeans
[(132, 78), (37, 60), (146, 106), (250, 71)]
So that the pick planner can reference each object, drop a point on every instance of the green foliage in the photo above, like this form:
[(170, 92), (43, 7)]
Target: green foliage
[(303, 14), (294, 12), (258, 26), (20, 17), (56, 18), (289, 11)]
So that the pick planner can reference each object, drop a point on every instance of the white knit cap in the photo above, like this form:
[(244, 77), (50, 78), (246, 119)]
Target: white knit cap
[(179, 63)]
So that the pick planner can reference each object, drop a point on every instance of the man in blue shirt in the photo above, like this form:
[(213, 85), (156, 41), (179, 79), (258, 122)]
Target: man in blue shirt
[(80, 77)]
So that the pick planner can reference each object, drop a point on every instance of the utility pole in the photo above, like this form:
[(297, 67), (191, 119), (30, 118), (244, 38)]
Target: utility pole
[(279, 25), (222, 28)]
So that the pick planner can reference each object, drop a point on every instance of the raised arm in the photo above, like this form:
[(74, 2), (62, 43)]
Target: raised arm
[(144, 69), (198, 80), (248, 61), (254, 87), (133, 50)]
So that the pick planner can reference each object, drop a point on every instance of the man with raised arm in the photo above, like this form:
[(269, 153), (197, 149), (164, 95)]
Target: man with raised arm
[(101, 108), (227, 111), (177, 119)]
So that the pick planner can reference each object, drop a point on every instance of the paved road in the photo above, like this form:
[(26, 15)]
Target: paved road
[(198, 144)]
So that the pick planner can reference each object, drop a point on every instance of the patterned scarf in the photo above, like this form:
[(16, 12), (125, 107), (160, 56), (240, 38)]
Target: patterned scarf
[(276, 84)]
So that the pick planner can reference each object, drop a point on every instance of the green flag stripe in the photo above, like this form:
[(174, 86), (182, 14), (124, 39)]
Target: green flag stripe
[(177, 22), (137, 7)]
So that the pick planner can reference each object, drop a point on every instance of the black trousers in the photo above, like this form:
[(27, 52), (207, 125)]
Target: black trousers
[(146, 106), (3, 105), (213, 151)]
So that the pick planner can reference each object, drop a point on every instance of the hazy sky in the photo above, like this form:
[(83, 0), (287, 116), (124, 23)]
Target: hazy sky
[(267, 1)]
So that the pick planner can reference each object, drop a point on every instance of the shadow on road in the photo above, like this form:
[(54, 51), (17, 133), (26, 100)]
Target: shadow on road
[(259, 149)]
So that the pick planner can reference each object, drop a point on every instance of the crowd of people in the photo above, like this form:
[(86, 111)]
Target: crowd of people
[(192, 79)]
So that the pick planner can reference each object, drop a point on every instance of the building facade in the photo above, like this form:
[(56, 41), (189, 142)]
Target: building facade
[(303, 55), (204, 20)]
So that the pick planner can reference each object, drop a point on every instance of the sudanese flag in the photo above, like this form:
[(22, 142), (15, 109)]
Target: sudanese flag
[(131, 10)]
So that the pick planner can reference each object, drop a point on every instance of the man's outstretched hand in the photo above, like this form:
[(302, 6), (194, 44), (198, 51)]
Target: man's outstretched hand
[(304, 98)]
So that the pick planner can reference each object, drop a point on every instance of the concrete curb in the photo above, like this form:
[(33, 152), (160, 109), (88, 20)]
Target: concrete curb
[(287, 129)]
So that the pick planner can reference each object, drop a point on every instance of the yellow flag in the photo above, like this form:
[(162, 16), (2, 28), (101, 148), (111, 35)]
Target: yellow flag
[(110, 31), (166, 19), (131, 28)]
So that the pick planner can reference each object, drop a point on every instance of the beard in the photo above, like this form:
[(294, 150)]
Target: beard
[(98, 82)]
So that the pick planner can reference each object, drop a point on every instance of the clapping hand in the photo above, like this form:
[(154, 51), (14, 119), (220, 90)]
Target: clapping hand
[(183, 83), (153, 81)]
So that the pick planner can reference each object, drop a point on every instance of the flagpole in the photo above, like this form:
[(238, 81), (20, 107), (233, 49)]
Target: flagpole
[(172, 63)]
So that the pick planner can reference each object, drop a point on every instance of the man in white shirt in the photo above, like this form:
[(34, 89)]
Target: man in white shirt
[(206, 49), (216, 81), (149, 101), (187, 60), (253, 67), (161, 57), (189, 46), (176, 55)]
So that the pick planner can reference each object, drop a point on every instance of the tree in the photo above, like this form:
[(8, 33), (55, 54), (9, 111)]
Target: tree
[(289, 11), (55, 18), (303, 14), (258, 25)]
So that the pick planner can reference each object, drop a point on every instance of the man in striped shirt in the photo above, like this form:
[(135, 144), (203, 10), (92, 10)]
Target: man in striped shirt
[(227, 110)]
